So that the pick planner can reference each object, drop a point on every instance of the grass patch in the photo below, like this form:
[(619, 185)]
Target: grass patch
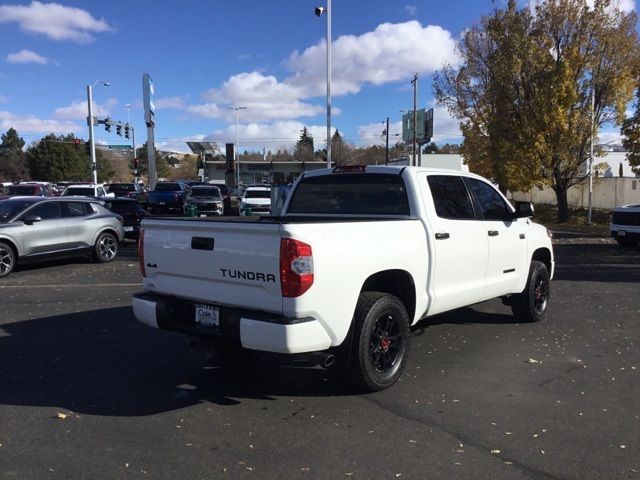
[(547, 215)]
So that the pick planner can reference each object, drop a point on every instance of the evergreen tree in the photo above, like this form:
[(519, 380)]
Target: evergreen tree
[(12, 157), (58, 158), (304, 147)]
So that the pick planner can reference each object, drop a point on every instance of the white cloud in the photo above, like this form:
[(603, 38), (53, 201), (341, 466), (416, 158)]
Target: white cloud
[(390, 53), (176, 103), (31, 124), (179, 145), (264, 97), (412, 10), (54, 21), (26, 56), (609, 137), (77, 110), (272, 136)]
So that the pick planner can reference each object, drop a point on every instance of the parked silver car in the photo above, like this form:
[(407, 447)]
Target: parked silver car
[(41, 228)]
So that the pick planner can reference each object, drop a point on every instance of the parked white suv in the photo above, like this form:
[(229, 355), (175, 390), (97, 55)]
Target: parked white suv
[(87, 190), (625, 225), (256, 201)]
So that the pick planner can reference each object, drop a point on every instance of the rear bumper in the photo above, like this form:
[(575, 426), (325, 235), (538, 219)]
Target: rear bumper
[(631, 232), (247, 328)]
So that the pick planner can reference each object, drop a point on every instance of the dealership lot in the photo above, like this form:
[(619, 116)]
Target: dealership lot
[(482, 396)]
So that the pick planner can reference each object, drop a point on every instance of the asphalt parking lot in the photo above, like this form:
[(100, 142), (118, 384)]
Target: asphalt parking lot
[(87, 392)]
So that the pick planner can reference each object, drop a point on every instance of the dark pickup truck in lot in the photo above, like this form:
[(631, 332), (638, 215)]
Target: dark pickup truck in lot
[(167, 196)]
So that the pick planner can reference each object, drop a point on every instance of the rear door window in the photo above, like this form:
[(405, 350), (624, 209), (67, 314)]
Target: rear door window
[(73, 209), (450, 197)]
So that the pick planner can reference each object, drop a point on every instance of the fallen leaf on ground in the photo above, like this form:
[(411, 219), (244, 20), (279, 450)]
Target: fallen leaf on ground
[(533, 360), (495, 451), (61, 416)]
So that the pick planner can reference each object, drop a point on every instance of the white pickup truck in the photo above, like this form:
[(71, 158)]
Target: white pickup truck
[(358, 256)]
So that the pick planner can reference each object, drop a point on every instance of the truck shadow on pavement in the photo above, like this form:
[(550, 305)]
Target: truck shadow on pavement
[(103, 362)]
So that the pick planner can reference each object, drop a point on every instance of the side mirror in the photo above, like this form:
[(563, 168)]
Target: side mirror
[(31, 219), (524, 210)]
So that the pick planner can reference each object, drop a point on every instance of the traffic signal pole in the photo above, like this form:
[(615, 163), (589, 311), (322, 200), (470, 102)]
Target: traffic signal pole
[(135, 155), (92, 144)]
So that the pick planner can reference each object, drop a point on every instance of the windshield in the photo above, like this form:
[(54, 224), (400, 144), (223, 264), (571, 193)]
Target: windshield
[(10, 208), (22, 190), (121, 187), (84, 191), (167, 187), (205, 192), (351, 194), (257, 194)]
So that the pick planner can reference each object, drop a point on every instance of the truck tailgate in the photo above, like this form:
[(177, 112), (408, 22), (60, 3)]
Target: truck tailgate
[(234, 264)]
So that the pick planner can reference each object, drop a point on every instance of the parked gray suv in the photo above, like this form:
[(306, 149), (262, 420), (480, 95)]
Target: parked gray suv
[(41, 228)]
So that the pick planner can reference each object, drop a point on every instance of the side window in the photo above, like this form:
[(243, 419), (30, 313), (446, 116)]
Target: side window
[(73, 209), (46, 211), (491, 202), (450, 197), (90, 208), (101, 192)]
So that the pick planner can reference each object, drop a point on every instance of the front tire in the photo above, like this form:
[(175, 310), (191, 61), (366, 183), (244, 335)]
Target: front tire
[(531, 305), (7, 259), (381, 344), (106, 247)]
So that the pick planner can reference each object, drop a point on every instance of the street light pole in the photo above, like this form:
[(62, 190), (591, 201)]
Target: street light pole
[(236, 152), (320, 11), (92, 142), (593, 101), (386, 157)]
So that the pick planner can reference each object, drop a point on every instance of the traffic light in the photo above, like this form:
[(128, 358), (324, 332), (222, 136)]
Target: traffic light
[(119, 130), (87, 148), (107, 124), (126, 131), (136, 163), (77, 143)]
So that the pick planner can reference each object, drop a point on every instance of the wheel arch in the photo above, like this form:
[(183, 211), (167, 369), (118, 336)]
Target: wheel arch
[(543, 255), (106, 230), (12, 244), (395, 282)]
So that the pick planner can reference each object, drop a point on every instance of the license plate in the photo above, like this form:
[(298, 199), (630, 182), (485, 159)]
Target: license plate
[(207, 315), (128, 229), (621, 233), (162, 203)]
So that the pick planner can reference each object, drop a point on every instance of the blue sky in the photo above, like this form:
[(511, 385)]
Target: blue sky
[(207, 55)]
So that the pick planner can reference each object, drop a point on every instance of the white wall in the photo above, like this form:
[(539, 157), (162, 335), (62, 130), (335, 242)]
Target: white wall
[(608, 193)]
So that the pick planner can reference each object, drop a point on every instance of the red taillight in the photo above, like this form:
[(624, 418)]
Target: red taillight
[(296, 267), (141, 253)]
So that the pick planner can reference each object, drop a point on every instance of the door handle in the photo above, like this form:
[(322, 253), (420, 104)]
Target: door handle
[(493, 233), (442, 236)]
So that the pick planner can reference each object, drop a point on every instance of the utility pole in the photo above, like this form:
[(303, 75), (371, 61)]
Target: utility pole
[(386, 157), (415, 116), (236, 152)]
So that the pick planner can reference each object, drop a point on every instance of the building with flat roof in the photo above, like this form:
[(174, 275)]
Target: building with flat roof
[(259, 171)]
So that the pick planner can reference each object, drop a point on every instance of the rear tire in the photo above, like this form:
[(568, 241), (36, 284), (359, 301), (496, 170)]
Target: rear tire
[(381, 341), (106, 247), (531, 304), (7, 259)]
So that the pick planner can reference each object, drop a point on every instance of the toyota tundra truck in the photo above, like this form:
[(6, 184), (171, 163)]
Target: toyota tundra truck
[(356, 257)]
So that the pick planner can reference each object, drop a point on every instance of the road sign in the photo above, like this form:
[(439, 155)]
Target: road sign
[(424, 132), (120, 147)]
